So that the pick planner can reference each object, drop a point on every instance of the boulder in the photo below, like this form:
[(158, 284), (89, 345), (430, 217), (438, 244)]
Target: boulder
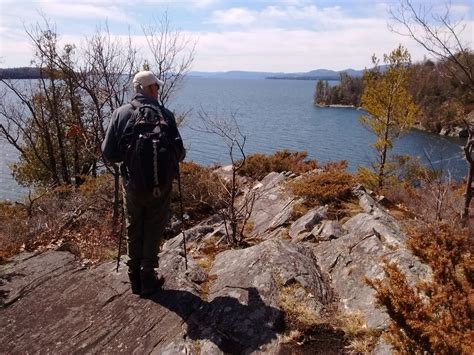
[(197, 233), (246, 288), (327, 230), (306, 223)]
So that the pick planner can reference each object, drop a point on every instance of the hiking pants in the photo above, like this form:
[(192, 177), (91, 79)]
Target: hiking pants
[(146, 218)]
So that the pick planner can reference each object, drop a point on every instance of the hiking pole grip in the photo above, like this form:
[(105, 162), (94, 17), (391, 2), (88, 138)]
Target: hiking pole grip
[(182, 218)]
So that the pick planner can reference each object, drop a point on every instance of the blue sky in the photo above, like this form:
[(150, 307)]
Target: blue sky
[(258, 35)]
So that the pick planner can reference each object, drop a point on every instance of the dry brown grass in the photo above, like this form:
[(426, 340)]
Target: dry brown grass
[(298, 316), (362, 339), (203, 194), (14, 230), (204, 255), (80, 219), (305, 325)]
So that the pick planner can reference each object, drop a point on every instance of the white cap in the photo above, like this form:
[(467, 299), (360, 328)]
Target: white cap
[(146, 78)]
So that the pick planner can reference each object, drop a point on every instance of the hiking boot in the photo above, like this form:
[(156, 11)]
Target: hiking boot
[(150, 282), (135, 282)]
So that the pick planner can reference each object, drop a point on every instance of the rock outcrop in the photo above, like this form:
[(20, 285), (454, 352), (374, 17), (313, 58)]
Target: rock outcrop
[(52, 304), (229, 304)]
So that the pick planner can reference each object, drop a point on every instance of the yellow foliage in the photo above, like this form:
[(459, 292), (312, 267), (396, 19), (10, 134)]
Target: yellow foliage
[(389, 106)]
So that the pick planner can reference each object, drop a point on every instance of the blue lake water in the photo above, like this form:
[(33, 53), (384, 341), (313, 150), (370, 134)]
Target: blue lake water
[(273, 115)]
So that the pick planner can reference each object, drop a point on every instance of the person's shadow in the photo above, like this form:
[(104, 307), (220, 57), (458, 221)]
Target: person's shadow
[(234, 327)]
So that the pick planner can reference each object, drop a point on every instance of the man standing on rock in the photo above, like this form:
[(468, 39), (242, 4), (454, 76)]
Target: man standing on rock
[(143, 136)]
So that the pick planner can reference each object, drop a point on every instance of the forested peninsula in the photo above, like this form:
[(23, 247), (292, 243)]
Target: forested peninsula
[(443, 102), (20, 73)]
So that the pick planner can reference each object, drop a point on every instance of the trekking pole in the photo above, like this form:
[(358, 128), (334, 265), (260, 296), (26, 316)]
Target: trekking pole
[(182, 218), (120, 236)]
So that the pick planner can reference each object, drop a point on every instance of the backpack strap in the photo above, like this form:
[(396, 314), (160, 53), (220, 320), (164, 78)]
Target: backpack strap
[(136, 104)]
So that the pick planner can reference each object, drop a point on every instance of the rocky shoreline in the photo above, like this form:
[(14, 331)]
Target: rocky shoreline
[(458, 131)]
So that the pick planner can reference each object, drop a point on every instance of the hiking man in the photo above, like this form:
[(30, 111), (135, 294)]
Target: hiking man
[(143, 136)]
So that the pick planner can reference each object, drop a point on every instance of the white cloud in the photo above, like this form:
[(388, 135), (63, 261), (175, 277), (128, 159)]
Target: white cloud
[(286, 37), (204, 3), (234, 16), (293, 50), (85, 11), (285, 16)]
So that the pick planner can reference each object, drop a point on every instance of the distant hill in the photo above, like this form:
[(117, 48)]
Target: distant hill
[(318, 74), (234, 74)]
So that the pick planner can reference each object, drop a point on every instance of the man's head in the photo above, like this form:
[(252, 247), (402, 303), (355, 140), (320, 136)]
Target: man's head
[(146, 83)]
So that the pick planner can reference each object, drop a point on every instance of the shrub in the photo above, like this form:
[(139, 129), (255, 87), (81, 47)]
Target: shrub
[(79, 218), (433, 316), (259, 165), (431, 201), (331, 185), (13, 234), (202, 192)]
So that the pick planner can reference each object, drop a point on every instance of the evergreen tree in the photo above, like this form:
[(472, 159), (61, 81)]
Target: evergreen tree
[(390, 110)]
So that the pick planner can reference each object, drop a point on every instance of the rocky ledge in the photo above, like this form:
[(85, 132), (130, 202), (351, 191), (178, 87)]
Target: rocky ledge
[(227, 301)]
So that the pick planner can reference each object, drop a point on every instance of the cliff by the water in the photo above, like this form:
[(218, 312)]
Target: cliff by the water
[(230, 300)]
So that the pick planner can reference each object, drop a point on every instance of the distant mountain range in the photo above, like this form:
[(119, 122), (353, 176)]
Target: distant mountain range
[(319, 74)]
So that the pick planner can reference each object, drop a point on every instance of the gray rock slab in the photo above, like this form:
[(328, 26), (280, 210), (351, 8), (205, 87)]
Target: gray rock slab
[(273, 205), (328, 230), (66, 308), (307, 222), (63, 307), (247, 285), (360, 254)]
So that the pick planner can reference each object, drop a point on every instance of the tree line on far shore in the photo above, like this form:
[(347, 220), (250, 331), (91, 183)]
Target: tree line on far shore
[(442, 101), (20, 73)]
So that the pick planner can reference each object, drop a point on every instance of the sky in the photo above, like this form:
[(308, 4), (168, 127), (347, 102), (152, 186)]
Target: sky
[(258, 35)]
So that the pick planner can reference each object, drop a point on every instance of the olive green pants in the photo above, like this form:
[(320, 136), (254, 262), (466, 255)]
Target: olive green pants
[(146, 218)]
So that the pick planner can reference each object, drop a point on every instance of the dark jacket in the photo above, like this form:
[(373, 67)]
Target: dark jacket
[(120, 117)]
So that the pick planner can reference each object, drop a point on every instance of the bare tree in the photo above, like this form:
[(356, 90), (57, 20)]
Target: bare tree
[(109, 64), (235, 215), (440, 35), (95, 80), (172, 54), (80, 87)]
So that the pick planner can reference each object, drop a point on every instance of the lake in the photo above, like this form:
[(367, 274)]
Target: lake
[(273, 115)]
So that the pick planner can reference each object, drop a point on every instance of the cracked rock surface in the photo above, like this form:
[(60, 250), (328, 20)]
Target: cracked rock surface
[(50, 303), (370, 238)]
